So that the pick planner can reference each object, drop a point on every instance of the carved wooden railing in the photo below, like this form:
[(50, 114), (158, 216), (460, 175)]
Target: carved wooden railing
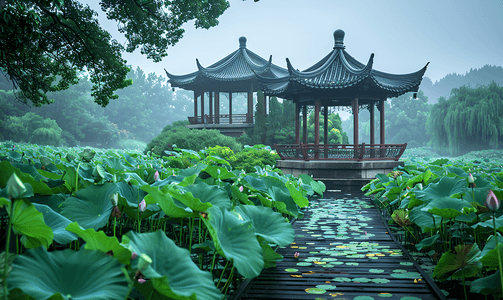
[(340, 152), (222, 119)]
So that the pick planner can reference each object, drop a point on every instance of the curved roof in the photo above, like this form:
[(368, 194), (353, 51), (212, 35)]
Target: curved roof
[(234, 73), (340, 76)]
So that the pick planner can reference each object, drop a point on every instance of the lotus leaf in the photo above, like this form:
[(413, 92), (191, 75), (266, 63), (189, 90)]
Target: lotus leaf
[(29, 222), (57, 223), (463, 262), (446, 187)]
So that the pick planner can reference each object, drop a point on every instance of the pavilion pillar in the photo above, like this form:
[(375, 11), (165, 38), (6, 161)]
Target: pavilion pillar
[(267, 98), (354, 104), (249, 115), (195, 107), (203, 117), (210, 108), (217, 107), (325, 130), (372, 129), (304, 124), (297, 123), (317, 106), (230, 107), (382, 126)]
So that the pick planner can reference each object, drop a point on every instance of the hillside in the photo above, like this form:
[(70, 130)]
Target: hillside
[(473, 78)]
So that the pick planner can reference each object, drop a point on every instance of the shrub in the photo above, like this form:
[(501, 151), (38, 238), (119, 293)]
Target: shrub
[(191, 139), (33, 128), (251, 157)]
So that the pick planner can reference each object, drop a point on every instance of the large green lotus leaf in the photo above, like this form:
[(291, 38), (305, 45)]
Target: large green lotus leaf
[(424, 219), (281, 194), (92, 207), (218, 172), (422, 178), (82, 275), (318, 187), (165, 202), (39, 187), (268, 224), (188, 200), (29, 222), (256, 183), (270, 256), (195, 170), (296, 194), (446, 207), (100, 241), (439, 162), (446, 187), (401, 217), (456, 171), (464, 261), (114, 165), (57, 223), (489, 224), (209, 194), (489, 285), (427, 242), (490, 258), (172, 271), (70, 176), (235, 240)]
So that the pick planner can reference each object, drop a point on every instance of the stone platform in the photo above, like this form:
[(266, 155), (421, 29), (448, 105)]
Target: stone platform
[(345, 175)]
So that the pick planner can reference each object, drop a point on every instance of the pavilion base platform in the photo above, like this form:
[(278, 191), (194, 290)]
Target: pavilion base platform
[(233, 130), (342, 175)]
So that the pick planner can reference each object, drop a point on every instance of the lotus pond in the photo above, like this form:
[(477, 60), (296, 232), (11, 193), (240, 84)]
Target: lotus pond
[(81, 223), (449, 209)]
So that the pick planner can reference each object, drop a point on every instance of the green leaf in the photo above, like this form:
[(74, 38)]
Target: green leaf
[(29, 222), (235, 240), (206, 193), (446, 187), (489, 285), (91, 207), (57, 223), (463, 261), (100, 241), (427, 242), (165, 202), (296, 194), (446, 207), (270, 256), (82, 275), (268, 224), (172, 271)]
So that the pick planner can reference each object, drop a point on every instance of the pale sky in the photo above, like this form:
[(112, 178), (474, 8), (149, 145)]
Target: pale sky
[(404, 35)]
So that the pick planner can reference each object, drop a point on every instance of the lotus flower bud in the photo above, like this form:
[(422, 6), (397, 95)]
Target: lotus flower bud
[(142, 205), (144, 262), (156, 176), (296, 255), (241, 188), (141, 280), (492, 201), (134, 255), (114, 199), (471, 181), (15, 187)]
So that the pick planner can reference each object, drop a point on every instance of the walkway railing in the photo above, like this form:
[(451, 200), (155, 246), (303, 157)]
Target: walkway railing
[(340, 152), (222, 119)]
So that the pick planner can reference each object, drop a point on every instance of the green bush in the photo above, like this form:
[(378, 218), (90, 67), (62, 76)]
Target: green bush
[(252, 156), (191, 139), (33, 128)]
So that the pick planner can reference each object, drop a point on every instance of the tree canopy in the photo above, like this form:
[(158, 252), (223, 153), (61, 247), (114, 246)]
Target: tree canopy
[(44, 44)]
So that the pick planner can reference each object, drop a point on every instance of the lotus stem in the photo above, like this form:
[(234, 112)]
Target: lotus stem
[(229, 280), (464, 288), (115, 225), (77, 178), (222, 274), (190, 238), (498, 250), (6, 266)]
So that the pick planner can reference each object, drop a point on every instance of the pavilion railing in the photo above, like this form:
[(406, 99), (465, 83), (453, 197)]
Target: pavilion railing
[(222, 119), (341, 152)]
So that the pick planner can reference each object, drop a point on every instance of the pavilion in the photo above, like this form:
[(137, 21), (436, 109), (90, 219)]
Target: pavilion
[(235, 73), (339, 80)]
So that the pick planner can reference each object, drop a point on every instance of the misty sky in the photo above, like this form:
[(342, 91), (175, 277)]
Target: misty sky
[(453, 35)]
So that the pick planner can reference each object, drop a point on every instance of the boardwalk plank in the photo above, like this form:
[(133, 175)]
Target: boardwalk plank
[(345, 252)]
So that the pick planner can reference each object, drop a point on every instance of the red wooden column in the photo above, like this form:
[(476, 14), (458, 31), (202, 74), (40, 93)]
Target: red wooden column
[(210, 107), (297, 123), (372, 129), (217, 107), (249, 118), (202, 108), (304, 123), (317, 106), (195, 107), (354, 104), (382, 121), (230, 107), (325, 130)]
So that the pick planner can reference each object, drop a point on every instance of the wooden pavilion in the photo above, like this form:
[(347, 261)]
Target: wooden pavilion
[(339, 80), (235, 73)]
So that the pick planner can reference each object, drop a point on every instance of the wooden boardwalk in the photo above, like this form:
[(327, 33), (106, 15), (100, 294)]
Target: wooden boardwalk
[(345, 252)]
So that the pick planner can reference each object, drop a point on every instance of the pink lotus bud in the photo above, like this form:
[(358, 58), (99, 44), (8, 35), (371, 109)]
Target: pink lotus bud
[(142, 205), (141, 281), (156, 176), (492, 201), (241, 188), (296, 255), (470, 178), (134, 255)]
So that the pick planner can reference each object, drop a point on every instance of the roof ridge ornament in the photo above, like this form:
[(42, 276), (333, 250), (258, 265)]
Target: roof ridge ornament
[(339, 39), (242, 42)]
